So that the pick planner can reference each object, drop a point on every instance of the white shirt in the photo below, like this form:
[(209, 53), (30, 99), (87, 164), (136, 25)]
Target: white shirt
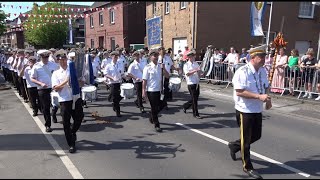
[(232, 58), (43, 73), (143, 62), (217, 58), (95, 68), (152, 73), (27, 74), (167, 62), (15, 63), (59, 76), (25, 62), (194, 78), (9, 61), (51, 58), (136, 69), (122, 63), (105, 62), (113, 70), (248, 79)]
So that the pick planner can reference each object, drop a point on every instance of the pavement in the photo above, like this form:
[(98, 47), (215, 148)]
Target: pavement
[(129, 147)]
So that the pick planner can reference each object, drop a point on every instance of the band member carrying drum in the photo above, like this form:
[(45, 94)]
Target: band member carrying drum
[(191, 70), (135, 72), (114, 74)]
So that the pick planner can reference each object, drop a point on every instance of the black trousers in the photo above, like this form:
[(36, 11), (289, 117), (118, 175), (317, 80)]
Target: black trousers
[(34, 99), (138, 86), (166, 90), (115, 95), (5, 73), (23, 88), (250, 131), (156, 106), (77, 115), (194, 91), (45, 100), (16, 82)]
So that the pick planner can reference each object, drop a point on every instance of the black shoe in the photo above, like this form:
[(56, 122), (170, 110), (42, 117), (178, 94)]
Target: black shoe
[(54, 119), (198, 117), (150, 119), (34, 114), (184, 110), (72, 149), (232, 153), (158, 129), (142, 110), (26, 101), (85, 106), (254, 174), (48, 129), (137, 105), (118, 114), (114, 109)]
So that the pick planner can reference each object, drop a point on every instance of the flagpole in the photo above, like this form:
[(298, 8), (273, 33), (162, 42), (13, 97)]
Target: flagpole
[(270, 15)]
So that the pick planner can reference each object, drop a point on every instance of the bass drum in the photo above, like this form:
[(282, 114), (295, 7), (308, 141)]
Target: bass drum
[(89, 93), (174, 84)]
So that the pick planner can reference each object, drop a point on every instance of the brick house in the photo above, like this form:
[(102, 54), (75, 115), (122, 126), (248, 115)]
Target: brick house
[(225, 24), (119, 23)]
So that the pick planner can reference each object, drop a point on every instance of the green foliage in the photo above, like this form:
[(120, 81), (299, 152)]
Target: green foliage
[(3, 18), (43, 34)]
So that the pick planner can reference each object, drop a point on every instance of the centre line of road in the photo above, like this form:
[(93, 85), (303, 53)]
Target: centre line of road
[(62, 155), (251, 152)]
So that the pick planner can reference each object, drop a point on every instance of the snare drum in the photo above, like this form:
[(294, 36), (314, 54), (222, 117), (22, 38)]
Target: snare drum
[(54, 99), (174, 84), (127, 90), (89, 93), (100, 80)]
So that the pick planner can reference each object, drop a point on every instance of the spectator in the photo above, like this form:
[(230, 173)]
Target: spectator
[(243, 56), (318, 74), (279, 73), (232, 59), (217, 59), (308, 69), (202, 54), (293, 70)]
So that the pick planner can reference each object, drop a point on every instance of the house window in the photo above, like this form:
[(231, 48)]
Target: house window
[(154, 8), (183, 5), (92, 43), (272, 36), (91, 21), (167, 6), (306, 10), (101, 19), (111, 12), (113, 43)]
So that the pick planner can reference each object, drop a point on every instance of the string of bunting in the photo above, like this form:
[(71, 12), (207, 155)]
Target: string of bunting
[(52, 15)]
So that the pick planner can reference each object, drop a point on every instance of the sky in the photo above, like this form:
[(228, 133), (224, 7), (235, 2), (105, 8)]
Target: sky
[(16, 10)]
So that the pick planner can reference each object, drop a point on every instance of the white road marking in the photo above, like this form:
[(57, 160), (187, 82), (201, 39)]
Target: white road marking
[(62, 155), (253, 153)]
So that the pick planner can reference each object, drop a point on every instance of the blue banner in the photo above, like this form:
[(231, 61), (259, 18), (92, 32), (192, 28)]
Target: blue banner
[(154, 32)]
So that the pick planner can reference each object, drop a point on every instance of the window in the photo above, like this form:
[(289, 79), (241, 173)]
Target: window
[(306, 10), (101, 41), (154, 8), (272, 36), (183, 5), (167, 6), (302, 47), (113, 43), (101, 19), (111, 12), (92, 43), (91, 21), (269, 2)]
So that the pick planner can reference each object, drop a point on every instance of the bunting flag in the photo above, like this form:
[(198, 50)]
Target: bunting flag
[(67, 9), (257, 10)]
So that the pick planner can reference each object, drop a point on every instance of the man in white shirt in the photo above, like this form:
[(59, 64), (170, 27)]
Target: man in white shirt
[(106, 60), (10, 67), (51, 57), (151, 86), (232, 59), (250, 92), (32, 87), (41, 75), (135, 71), (61, 83), (19, 66), (192, 72), (113, 73), (27, 54)]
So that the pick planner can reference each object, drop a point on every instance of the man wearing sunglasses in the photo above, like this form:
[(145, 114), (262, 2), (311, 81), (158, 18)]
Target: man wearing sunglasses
[(70, 106)]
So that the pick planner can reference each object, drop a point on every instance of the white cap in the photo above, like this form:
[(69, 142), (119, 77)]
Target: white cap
[(71, 54), (258, 50), (43, 51)]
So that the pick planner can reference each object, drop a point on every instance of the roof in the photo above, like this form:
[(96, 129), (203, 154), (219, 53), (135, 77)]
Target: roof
[(99, 4)]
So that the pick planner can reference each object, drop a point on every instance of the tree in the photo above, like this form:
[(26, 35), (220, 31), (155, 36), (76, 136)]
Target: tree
[(3, 26), (41, 32)]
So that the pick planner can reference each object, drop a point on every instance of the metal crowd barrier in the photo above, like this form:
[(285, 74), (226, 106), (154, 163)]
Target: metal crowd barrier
[(295, 79)]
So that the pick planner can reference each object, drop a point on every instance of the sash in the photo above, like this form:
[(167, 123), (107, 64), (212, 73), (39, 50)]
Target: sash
[(74, 83)]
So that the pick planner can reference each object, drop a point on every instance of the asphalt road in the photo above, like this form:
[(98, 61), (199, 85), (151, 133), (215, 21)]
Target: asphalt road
[(129, 147)]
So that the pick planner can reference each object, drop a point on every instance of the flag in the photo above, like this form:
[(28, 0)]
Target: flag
[(257, 10)]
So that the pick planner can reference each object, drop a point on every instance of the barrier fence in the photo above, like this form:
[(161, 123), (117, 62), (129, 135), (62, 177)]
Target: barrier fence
[(293, 79)]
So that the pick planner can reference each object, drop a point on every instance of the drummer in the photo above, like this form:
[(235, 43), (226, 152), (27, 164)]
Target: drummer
[(191, 70), (113, 73), (135, 72)]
